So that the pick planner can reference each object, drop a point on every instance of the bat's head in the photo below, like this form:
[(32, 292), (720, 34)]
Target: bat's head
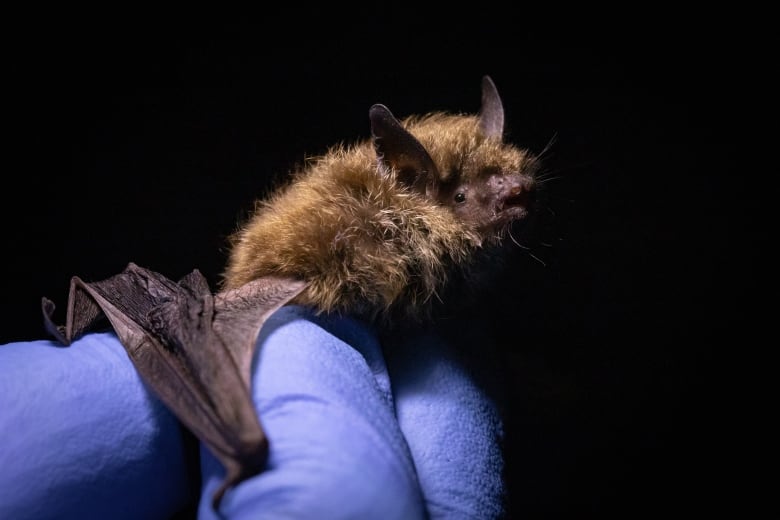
[(461, 162)]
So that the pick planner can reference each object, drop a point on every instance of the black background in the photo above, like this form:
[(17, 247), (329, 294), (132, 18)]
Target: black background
[(137, 137)]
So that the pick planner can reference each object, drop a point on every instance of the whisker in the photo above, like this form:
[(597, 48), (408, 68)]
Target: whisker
[(548, 146), (526, 248), (537, 259), (543, 179), (518, 244)]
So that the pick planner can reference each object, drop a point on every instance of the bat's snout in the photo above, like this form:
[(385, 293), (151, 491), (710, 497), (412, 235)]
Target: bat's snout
[(521, 193)]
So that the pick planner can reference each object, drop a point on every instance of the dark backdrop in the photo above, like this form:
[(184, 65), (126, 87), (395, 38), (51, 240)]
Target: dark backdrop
[(139, 139)]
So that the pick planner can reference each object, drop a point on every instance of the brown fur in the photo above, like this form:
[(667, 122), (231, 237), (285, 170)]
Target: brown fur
[(368, 242)]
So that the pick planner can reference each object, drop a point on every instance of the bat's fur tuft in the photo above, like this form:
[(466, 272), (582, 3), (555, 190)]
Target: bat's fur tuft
[(369, 241)]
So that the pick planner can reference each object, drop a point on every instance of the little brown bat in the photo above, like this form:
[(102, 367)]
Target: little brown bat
[(374, 229), (379, 225)]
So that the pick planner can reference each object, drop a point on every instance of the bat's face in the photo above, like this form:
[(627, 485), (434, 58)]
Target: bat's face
[(461, 162), (491, 198), (487, 183)]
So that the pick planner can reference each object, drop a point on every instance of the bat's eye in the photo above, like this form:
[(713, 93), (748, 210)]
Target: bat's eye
[(460, 197)]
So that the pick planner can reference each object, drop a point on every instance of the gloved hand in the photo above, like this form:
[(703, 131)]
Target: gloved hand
[(83, 438)]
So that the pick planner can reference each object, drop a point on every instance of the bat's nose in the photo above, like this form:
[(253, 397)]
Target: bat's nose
[(521, 193)]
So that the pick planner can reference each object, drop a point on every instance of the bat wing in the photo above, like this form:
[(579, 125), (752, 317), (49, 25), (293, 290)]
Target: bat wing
[(192, 348)]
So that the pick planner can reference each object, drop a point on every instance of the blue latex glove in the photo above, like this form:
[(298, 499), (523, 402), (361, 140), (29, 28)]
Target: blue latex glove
[(81, 438), (452, 426), (105, 447)]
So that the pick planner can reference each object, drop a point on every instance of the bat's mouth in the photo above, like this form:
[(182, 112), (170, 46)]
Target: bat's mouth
[(522, 199), (509, 214), (517, 205)]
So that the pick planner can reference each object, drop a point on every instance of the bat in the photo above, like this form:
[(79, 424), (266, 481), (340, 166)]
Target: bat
[(374, 229)]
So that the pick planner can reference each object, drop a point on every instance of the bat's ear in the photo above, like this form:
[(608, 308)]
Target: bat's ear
[(398, 149), (491, 115)]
